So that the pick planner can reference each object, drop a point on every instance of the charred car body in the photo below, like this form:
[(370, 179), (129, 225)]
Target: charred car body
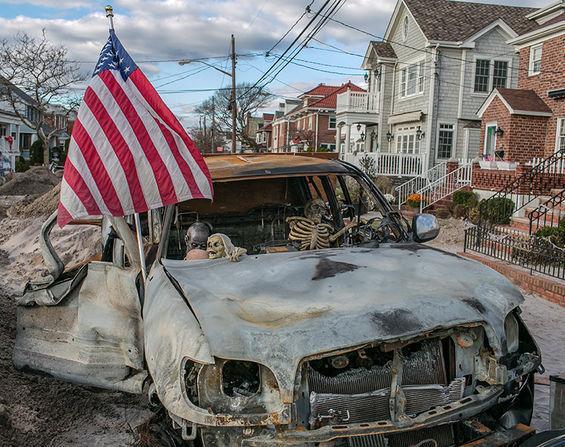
[(376, 340)]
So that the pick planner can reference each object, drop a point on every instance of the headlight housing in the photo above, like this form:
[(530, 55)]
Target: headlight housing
[(512, 330), (232, 387)]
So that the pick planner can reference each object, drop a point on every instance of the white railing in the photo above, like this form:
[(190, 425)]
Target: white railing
[(381, 163), (556, 168), (359, 102), (446, 185), (417, 183)]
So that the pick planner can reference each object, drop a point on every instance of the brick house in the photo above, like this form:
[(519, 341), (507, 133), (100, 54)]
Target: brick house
[(311, 124), (264, 130), (526, 123)]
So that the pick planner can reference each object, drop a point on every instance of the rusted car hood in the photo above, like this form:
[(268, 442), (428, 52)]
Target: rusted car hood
[(277, 309)]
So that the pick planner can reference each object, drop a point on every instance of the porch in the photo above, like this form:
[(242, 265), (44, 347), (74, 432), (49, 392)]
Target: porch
[(387, 164)]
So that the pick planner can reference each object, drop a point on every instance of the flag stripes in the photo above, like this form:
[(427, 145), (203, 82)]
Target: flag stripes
[(128, 153)]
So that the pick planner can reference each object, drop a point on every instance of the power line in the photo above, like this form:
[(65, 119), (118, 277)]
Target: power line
[(306, 10)]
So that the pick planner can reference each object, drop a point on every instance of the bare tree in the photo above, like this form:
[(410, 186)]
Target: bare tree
[(217, 109), (306, 137), (34, 75)]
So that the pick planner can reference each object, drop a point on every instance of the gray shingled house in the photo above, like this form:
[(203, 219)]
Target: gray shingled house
[(436, 65)]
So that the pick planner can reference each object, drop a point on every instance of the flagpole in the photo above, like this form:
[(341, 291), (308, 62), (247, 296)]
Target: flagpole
[(110, 15)]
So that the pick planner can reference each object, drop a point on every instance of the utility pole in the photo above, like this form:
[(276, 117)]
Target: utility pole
[(233, 98), (213, 143)]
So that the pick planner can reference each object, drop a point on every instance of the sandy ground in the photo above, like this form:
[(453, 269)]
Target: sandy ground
[(40, 411), (36, 410)]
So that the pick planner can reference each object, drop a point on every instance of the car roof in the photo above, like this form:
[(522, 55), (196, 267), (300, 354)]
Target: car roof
[(242, 166)]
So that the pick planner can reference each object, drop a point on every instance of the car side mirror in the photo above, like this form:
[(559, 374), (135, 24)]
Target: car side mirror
[(425, 227)]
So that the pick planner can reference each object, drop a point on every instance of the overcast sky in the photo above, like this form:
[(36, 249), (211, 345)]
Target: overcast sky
[(153, 31)]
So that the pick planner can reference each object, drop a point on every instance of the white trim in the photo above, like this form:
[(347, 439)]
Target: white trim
[(487, 125), (431, 104), (545, 10), (466, 137), (461, 83), (495, 93), (538, 36), (497, 23), (531, 61), (453, 140), (421, 74), (393, 19), (558, 128), (491, 60)]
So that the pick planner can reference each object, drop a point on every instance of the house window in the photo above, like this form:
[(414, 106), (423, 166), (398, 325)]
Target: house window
[(405, 28), (330, 147), (482, 75), (560, 143), (500, 74), (412, 80), (332, 122), (3, 131), (535, 60), (310, 122), (406, 141), (445, 141)]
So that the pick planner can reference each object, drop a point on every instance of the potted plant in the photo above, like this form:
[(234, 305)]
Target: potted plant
[(414, 200), (487, 162)]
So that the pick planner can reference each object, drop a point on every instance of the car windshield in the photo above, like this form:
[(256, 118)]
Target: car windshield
[(255, 213)]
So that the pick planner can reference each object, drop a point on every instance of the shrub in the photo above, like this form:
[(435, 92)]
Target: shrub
[(467, 198), (474, 214), (554, 234), (36, 153), (22, 164), (368, 165), (497, 210), (460, 210), (442, 213), (384, 184)]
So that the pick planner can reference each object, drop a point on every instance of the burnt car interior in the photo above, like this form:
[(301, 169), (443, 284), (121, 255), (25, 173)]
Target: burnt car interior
[(253, 212)]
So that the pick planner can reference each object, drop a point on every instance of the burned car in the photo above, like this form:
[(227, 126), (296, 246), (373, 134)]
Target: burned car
[(322, 319)]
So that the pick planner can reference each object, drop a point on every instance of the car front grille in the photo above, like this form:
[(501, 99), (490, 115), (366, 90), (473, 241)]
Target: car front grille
[(355, 387)]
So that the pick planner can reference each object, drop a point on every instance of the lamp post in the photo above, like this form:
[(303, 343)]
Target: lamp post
[(233, 102)]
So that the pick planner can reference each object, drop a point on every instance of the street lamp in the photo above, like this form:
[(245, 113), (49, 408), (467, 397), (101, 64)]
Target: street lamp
[(389, 136), (188, 61), (420, 134)]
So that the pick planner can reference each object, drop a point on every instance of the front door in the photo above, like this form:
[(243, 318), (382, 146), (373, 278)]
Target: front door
[(490, 140)]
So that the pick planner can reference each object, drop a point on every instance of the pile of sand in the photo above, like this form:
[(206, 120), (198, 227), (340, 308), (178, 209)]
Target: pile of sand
[(33, 206), (36, 180)]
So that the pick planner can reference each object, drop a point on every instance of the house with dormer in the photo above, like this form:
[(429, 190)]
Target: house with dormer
[(438, 62)]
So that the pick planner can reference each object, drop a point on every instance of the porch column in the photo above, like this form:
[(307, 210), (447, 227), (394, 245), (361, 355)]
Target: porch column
[(347, 138), (338, 138)]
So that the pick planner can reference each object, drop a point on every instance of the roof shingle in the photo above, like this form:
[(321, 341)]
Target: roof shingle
[(455, 21), (523, 100), (383, 49)]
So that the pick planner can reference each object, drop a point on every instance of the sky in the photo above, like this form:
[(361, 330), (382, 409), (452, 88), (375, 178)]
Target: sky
[(157, 33)]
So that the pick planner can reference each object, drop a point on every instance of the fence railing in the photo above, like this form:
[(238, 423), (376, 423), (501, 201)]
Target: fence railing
[(549, 213), (493, 238), (361, 102), (387, 164), (446, 185)]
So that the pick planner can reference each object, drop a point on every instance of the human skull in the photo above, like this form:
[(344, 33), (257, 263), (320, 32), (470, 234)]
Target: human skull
[(314, 210), (197, 235), (216, 248)]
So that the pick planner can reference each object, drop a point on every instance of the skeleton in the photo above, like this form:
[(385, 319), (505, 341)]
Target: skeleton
[(310, 232), (221, 246), (196, 238)]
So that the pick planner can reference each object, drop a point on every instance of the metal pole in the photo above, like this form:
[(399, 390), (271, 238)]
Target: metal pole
[(110, 15), (233, 98), (213, 145)]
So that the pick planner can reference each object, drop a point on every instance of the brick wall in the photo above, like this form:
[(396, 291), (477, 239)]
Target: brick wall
[(523, 136), (552, 76), (490, 179), (325, 135)]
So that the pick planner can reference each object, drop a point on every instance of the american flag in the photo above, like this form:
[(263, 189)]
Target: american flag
[(128, 153)]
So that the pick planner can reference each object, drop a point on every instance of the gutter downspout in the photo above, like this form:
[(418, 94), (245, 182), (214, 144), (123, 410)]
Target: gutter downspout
[(431, 108), (394, 92)]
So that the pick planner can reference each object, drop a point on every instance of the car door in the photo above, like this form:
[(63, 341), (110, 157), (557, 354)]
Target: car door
[(85, 325)]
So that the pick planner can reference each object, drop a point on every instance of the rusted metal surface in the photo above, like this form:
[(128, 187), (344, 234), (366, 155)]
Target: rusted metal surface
[(91, 334), (231, 167), (512, 437), (271, 311)]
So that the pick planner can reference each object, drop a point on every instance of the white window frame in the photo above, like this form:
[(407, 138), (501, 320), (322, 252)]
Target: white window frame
[(491, 72), (310, 122), (560, 132), (453, 138), (406, 136), (405, 28), (531, 71), (487, 125), (330, 123), (419, 80)]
